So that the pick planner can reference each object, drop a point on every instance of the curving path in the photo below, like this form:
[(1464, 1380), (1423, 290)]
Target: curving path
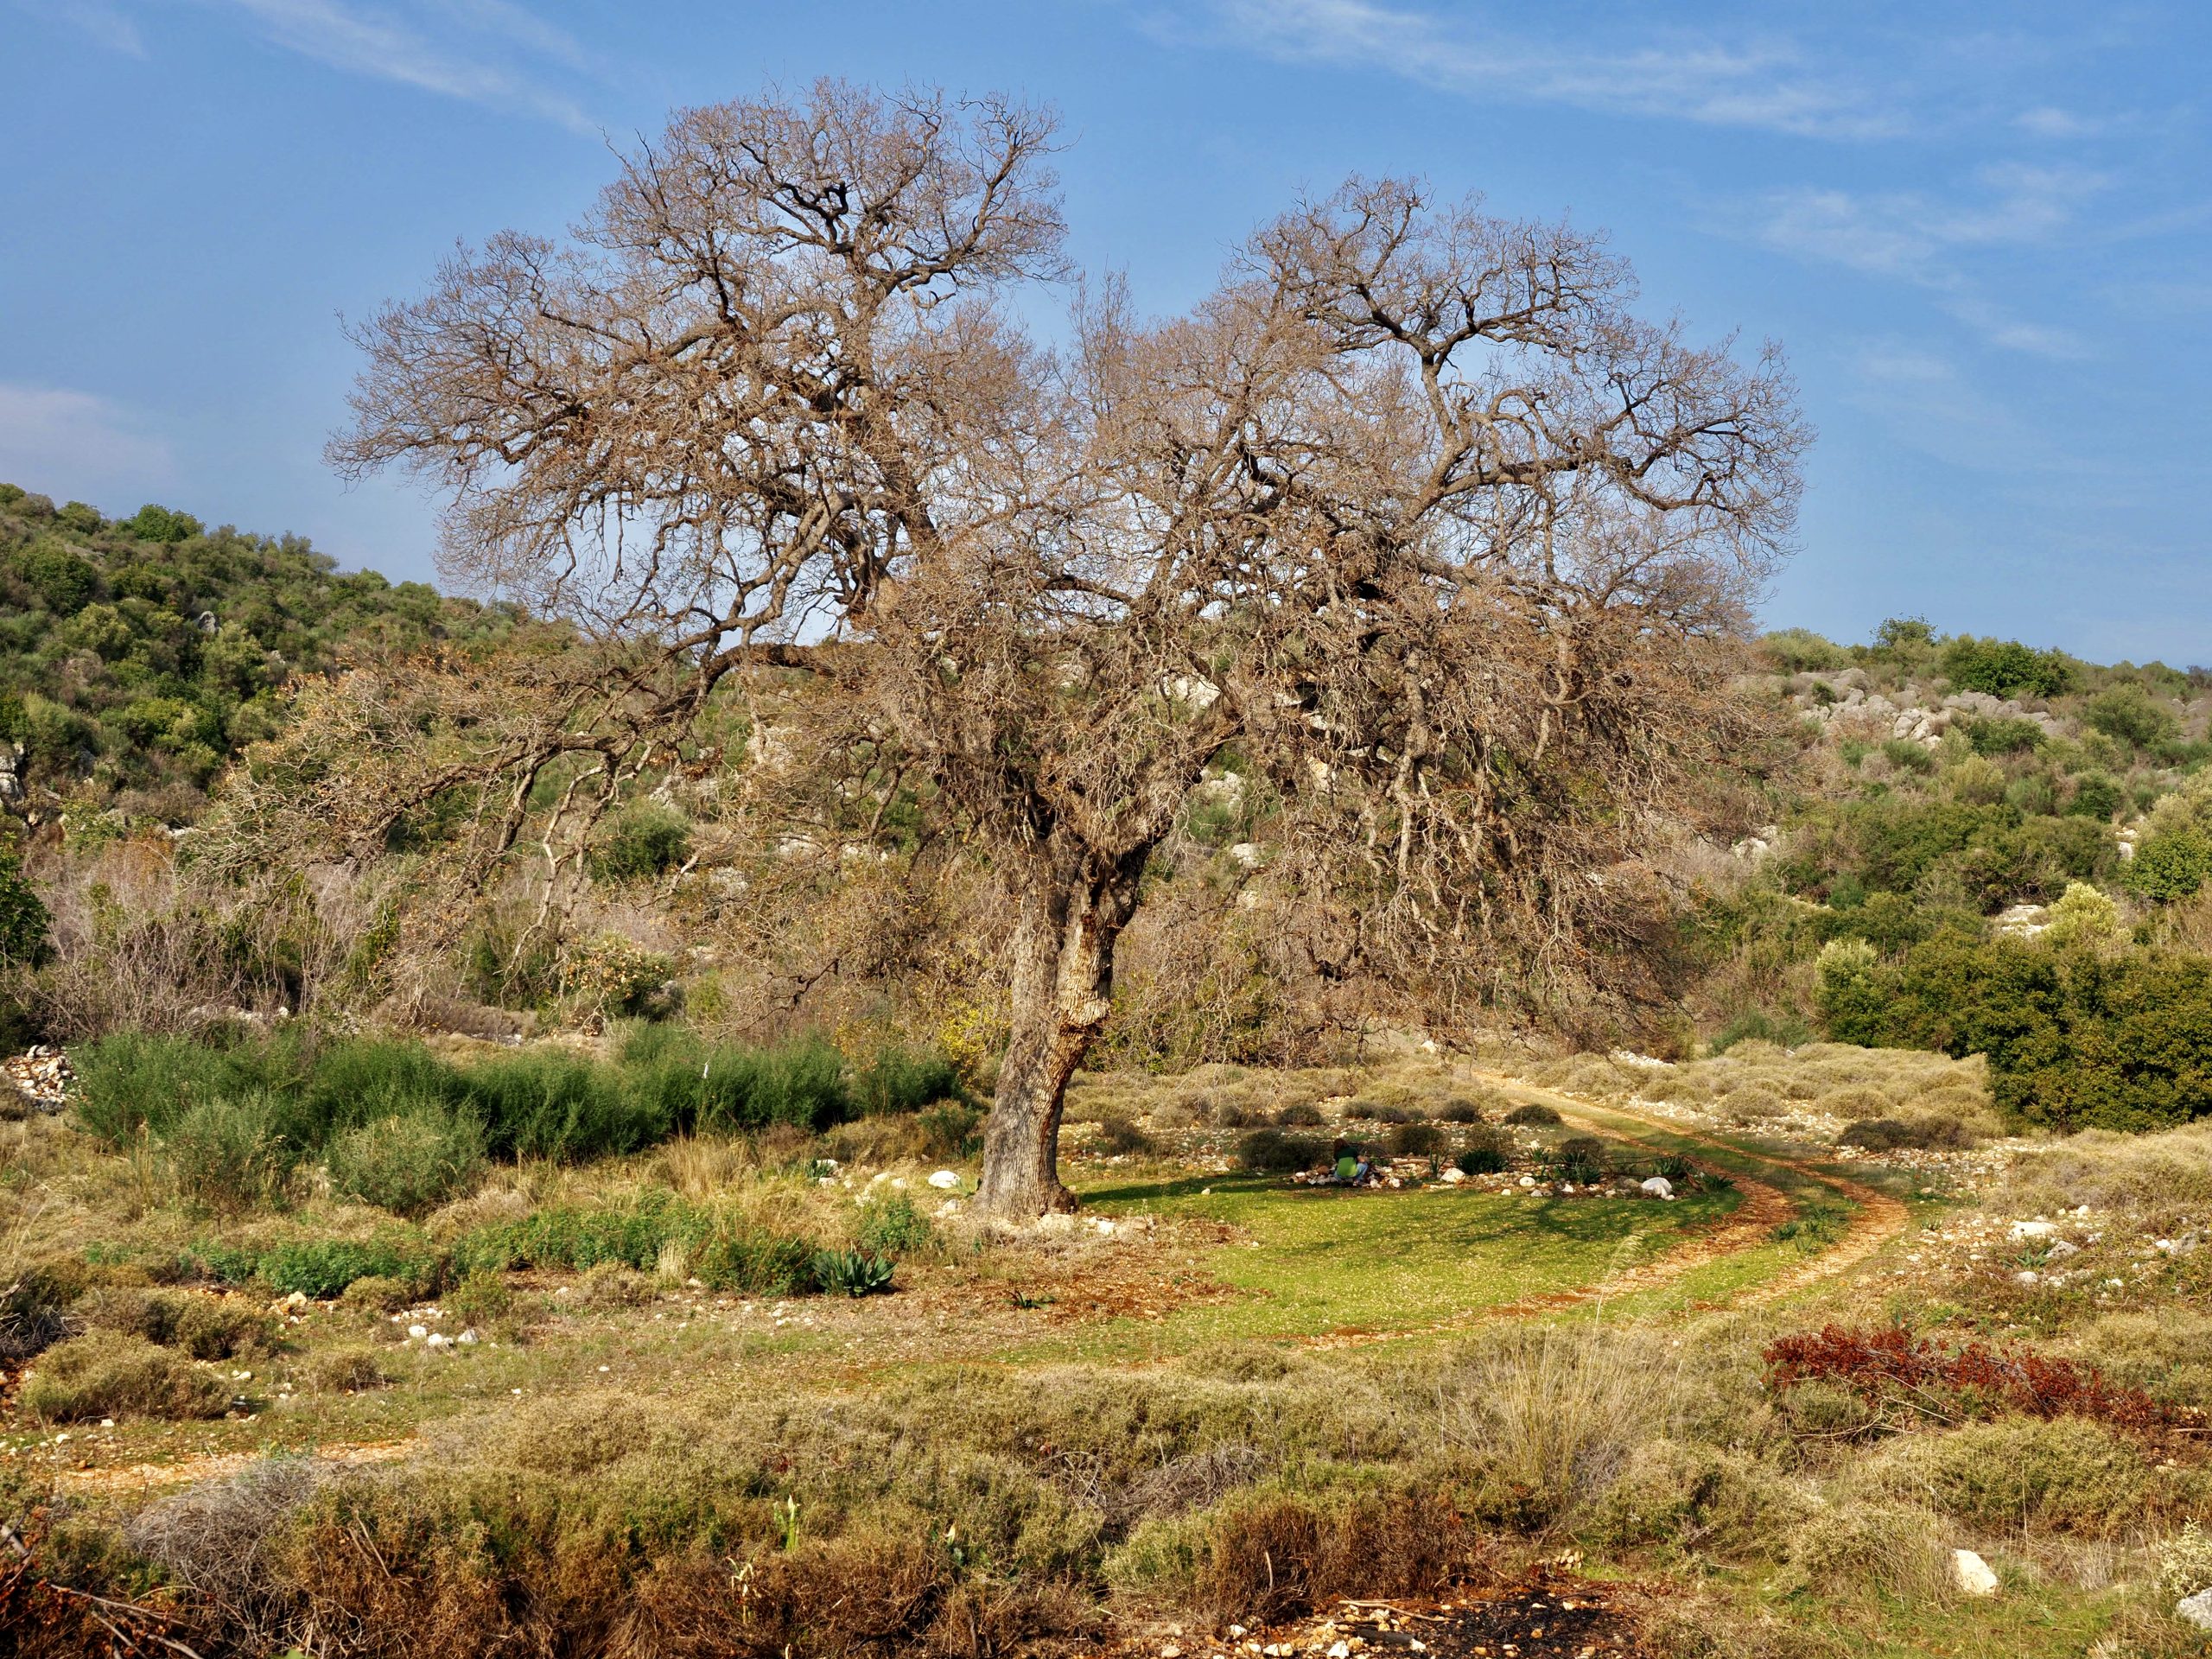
[(1876, 1218)]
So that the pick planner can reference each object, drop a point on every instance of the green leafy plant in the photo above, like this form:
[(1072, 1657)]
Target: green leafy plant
[(853, 1273)]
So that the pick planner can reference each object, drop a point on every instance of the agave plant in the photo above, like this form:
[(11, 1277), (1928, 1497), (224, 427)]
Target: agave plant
[(852, 1273)]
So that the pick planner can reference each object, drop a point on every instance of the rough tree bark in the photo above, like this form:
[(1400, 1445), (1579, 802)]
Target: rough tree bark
[(1072, 907)]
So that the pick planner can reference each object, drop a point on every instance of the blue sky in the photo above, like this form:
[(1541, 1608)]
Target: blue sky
[(1983, 231)]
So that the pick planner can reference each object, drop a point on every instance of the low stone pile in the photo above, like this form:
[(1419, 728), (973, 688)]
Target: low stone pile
[(39, 1079)]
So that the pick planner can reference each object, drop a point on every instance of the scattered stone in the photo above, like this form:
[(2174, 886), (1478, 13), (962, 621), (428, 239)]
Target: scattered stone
[(944, 1180), (1658, 1186), (2033, 1229), (1972, 1575), (2196, 1609), (2062, 1249), (1454, 1176)]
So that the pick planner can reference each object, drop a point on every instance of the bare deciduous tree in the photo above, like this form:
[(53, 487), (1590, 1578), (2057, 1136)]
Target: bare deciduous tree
[(1412, 514)]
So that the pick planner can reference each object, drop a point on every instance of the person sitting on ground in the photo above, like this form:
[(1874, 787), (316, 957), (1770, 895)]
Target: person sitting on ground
[(1349, 1169)]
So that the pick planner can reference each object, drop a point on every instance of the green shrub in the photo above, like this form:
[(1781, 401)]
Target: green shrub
[(2129, 714), (23, 919), (107, 1374), (224, 1156), (1486, 1153), (2170, 865), (724, 1250), (1300, 1114), (325, 1268), (645, 839), (373, 1293), (410, 1164), (2096, 795), (134, 1080), (1853, 1547), (2065, 1475), (852, 1273), (1908, 756), (1273, 1153), (1532, 1113), (1696, 1497), (2000, 737), (480, 1299), (1415, 1139), (893, 1227), (2001, 667), (206, 1327), (907, 1080), (32, 1305), (1579, 1159), (687, 1087), (547, 1103), (951, 1130)]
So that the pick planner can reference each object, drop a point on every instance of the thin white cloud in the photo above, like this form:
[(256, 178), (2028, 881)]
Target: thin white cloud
[(2047, 122), (59, 441), (1761, 83), (1923, 401), (102, 23), (478, 50), (1912, 237)]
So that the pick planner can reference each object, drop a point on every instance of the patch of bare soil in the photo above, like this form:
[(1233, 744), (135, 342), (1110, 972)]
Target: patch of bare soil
[(145, 1477), (1548, 1614)]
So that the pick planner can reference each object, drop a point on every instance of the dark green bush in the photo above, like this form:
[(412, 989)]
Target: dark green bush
[(1272, 1152), (724, 1251), (1579, 1159), (2002, 667), (1532, 1112), (549, 1103), (1415, 1139), (645, 839), (852, 1273), (2096, 795), (1300, 1114), (1486, 1153), (2172, 864), (23, 919), (952, 1129)]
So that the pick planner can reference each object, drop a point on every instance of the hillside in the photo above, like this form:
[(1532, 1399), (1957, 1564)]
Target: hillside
[(1985, 847), (139, 655)]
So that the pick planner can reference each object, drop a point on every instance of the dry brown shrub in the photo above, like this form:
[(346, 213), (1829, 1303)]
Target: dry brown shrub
[(832, 1597), (1269, 1554)]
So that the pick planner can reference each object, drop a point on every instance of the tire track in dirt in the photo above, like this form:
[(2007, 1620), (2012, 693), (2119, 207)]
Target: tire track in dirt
[(139, 1477), (1876, 1218)]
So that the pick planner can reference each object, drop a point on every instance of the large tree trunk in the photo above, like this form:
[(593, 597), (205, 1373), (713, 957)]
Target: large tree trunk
[(1071, 909)]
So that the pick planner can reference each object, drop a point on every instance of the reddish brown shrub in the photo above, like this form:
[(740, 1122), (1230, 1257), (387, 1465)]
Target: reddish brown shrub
[(1889, 1366)]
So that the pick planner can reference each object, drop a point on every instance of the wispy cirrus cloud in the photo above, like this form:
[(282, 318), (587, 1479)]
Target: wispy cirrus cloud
[(1762, 83), (106, 24), (492, 52), (496, 53), (1930, 241)]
